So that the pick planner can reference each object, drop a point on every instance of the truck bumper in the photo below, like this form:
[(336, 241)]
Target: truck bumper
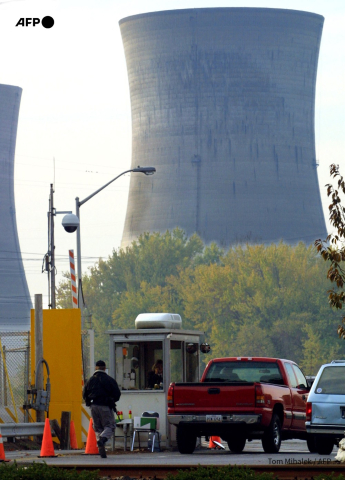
[(336, 430), (248, 419)]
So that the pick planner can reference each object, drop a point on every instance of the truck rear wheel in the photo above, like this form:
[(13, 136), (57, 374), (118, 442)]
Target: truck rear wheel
[(311, 443), (324, 445), (236, 445), (273, 436), (186, 439)]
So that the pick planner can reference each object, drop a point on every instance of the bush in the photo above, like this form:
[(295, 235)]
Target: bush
[(331, 476), (41, 471), (228, 472)]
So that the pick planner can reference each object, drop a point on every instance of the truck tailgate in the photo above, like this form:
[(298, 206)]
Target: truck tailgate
[(213, 397)]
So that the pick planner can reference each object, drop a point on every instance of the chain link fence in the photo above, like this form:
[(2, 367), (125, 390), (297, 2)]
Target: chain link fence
[(85, 345), (14, 375), (15, 372)]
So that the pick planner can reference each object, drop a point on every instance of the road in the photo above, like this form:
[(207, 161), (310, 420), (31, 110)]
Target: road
[(292, 452)]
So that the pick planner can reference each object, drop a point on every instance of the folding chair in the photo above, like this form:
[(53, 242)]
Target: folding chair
[(151, 431)]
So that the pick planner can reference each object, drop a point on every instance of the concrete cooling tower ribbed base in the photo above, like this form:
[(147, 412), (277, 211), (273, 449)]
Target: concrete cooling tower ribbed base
[(15, 303), (222, 105)]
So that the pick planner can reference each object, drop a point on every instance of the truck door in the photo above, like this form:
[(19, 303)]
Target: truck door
[(299, 393)]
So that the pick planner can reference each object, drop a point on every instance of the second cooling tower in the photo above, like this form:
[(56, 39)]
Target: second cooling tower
[(15, 302), (223, 106)]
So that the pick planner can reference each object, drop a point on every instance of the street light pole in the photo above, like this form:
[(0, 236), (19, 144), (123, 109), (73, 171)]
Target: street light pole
[(71, 223), (76, 225), (79, 272)]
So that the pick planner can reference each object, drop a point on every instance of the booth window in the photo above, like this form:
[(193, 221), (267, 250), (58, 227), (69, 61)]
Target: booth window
[(192, 362), (134, 361), (184, 361), (176, 361)]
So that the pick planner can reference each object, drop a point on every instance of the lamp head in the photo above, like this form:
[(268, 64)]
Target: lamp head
[(70, 222), (146, 170)]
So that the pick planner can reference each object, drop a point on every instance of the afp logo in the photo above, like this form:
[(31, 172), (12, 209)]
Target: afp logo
[(46, 22)]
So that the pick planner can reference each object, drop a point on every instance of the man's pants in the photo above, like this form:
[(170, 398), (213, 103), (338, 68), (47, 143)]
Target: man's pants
[(103, 421)]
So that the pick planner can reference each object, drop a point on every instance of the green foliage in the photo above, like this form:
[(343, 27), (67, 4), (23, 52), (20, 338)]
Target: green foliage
[(259, 302), (115, 290), (227, 472), (230, 472), (63, 294), (41, 471), (253, 300), (211, 254), (333, 249), (331, 476)]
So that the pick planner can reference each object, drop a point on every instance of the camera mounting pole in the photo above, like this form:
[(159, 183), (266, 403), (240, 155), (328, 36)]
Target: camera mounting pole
[(49, 258)]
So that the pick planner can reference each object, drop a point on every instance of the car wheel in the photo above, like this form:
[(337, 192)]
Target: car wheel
[(186, 440), (324, 445), (236, 445), (272, 437), (311, 443)]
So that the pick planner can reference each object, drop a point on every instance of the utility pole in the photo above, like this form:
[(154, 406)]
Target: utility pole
[(40, 417), (51, 252), (50, 255)]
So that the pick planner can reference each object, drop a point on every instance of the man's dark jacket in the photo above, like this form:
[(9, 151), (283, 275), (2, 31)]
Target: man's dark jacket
[(101, 389)]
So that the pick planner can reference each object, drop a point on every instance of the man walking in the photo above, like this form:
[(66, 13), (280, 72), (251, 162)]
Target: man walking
[(101, 392)]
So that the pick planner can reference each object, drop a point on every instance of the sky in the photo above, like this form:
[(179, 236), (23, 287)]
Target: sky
[(74, 128)]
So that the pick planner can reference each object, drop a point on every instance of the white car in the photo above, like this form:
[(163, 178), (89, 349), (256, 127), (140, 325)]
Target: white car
[(325, 410)]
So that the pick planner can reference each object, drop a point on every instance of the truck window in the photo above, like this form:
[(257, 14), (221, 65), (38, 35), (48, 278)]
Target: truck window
[(331, 381), (291, 375), (301, 380), (244, 372)]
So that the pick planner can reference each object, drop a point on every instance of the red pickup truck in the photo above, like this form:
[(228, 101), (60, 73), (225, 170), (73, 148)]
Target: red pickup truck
[(240, 399)]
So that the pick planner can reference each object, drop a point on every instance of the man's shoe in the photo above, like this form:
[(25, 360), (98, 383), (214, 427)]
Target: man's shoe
[(102, 441), (101, 447)]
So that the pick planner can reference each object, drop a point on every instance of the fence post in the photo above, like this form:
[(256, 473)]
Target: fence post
[(26, 380), (40, 417), (65, 429), (1, 383), (4, 375)]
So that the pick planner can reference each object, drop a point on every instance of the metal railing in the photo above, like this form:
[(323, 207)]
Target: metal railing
[(21, 429)]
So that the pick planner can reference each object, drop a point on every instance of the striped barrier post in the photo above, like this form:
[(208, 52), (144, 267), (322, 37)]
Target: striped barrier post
[(73, 279)]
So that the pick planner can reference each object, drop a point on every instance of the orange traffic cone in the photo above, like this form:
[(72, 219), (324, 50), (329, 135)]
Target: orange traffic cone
[(91, 443), (47, 448), (212, 443), (2, 451), (73, 437)]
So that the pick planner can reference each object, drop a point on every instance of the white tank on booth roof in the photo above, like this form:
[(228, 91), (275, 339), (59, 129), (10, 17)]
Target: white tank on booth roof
[(158, 320)]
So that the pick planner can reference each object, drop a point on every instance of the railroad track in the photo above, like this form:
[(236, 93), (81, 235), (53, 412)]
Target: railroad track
[(282, 472)]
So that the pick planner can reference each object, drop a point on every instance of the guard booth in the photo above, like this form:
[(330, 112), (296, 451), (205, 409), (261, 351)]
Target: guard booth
[(157, 336)]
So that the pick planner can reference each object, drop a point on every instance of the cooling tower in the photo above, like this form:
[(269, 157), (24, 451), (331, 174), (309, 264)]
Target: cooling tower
[(15, 303), (223, 104)]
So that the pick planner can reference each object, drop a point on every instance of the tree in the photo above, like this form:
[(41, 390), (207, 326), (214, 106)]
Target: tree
[(64, 292), (333, 248), (112, 287), (251, 300)]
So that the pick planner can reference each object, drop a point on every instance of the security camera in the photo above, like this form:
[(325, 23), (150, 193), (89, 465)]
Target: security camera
[(70, 222)]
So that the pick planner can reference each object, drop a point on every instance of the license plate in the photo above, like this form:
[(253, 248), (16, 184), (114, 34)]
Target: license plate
[(213, 418)]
